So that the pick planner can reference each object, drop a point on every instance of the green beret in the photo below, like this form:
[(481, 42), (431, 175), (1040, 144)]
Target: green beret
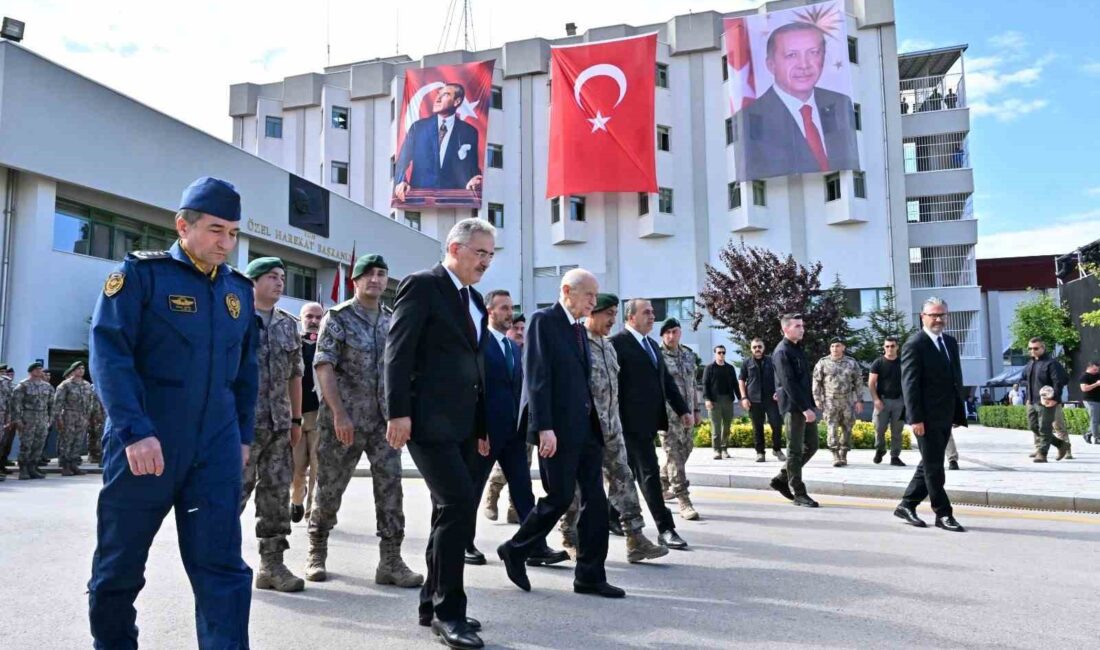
[(4, 367), (519, 319), (605, 301), (74, 366), (35, 366), (669, 324), (366, 263), (837, 339), (261, 265)]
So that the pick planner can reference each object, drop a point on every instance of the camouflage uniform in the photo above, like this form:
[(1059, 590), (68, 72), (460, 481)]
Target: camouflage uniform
[(6, 436), (72, 406), (30, 409), (836, 388), (679, 440), (353, 342), (269, 469), (95, 430)]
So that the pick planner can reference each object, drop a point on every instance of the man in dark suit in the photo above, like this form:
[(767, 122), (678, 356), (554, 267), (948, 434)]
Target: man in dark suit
[(645, 386), (507, 444), (435, 380), (442, 149), (796, 127), (932, 387), (557, 413)]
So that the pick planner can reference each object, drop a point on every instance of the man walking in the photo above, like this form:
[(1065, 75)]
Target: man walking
[(720, 391), (72, 408), (435, 394), (931, 382), (1090, 391), (884, 384), (1044, 371), (645, 387), (758, 390), (837, 380), (30, 413), (349, 363), (305, 452), (497, 480), (796, 403), (278, 423), (180, 421), (678, 440)]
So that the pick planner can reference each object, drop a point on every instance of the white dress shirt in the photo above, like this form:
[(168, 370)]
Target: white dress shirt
[(475, 312), (572, 321), (501, 341), (640, 338), (450, 122), (794, 105), (936, 339)]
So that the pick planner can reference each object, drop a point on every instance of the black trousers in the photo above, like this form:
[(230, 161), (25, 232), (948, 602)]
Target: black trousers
[(803, 443), (449, 469), (562, 474), (512, 456), (641, 454), (758, 411), (928, 480)]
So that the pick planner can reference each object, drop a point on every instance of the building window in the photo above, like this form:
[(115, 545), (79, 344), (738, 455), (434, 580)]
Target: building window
[(496, 156), (832, 187), (301, 281), (863, 301), (912, 211), (576, 208), (859, 185), (340, 117), (733, 195), (858, 117), (682, 309), (496, 98), (412, 219), (273, 127), (731, 131), (88, 231), (555, 210), (662, 75), (643, 204), (725, 68), (664, 139), (339, 173), (393, 167), (496, 214), (664, 200), (760, 193), (474, 213), (853, 49)]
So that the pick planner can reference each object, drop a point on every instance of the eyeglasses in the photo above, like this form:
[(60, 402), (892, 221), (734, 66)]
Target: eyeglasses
[(483, 255), (935, 316), (758, 347)]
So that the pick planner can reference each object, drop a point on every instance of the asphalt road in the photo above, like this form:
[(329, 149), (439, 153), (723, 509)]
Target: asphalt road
[(760, 573)]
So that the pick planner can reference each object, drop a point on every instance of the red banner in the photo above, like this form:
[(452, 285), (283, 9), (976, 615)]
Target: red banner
[(602, 129)]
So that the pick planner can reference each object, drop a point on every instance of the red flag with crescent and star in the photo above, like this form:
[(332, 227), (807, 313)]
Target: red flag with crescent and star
[(602, 131)]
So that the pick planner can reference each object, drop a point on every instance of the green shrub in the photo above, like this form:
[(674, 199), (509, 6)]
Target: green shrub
[(863, 435), (1015, 417)]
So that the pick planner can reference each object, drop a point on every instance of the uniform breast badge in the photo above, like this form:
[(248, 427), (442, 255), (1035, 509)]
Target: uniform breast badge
[(234, 305)]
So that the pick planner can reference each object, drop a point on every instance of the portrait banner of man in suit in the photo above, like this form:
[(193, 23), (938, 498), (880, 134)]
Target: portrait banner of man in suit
[(441, 130), (791, 92)]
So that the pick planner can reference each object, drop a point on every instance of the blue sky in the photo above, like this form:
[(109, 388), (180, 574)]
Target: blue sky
[(1035, 137)]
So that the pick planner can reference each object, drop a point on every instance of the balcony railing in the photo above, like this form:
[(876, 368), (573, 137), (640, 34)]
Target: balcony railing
[(945, 207), (942, 266), (936, 152), (965, 327), (936, 93)]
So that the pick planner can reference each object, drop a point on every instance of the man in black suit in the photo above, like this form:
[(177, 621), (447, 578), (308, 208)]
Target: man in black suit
[(435, 396), (796, 403), (507, 444), (557, 413), (442, 149), (932, 386), (796, 127), (645, 386)]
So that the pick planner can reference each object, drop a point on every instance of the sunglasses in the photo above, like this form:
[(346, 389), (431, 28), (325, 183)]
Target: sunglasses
[(722, 352)]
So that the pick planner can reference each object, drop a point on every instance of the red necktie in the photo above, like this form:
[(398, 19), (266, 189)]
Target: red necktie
[(813, 138)]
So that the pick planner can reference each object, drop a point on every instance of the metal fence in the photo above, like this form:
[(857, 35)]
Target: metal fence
[(942, 266), (936, 152), (935, 93), (964, 327), (944, 207)]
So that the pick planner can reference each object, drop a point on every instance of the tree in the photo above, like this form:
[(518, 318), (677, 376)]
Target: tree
[(757, 287), (1043, 318), (885, 320)]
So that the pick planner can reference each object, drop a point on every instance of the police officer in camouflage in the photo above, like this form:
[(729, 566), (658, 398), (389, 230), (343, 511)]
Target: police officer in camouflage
[(837, 382), (679, 440), (351, 420), (74, 404), (278, 423), (95, 430), (30, 413), (604, 382)]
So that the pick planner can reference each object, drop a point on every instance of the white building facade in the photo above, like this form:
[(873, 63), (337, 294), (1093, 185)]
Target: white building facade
[(905, 221)]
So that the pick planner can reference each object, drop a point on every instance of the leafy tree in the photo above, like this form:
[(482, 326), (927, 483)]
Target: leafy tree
[(758, 286), (1044, 318), (885, 320)]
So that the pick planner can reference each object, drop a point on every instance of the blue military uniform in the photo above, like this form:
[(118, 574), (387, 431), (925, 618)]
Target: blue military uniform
[(173, 351)]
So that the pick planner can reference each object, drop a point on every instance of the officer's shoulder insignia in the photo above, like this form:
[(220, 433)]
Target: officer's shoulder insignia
[(114, 283), (335, 309), (288, 314), (233, 304), (148, 255)]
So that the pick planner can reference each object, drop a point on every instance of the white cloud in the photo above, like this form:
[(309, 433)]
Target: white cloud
[(1007, 110), (1010, 40), (993, 80), (1091, 68), (1055, 237), (1093, 191), (917, 44)]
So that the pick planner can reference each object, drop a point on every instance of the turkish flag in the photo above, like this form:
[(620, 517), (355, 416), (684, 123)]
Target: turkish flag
[(742, 84), (602, 131), (349, 286), (335, 294)]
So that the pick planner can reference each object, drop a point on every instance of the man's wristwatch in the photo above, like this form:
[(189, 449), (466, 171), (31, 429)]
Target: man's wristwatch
[(297, 421)]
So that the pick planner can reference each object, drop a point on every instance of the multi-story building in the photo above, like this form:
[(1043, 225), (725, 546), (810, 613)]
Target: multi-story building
[(904, 221)]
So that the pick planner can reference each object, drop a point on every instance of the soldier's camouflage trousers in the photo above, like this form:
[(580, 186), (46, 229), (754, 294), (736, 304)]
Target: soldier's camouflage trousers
[(840, 423), (335, 465), (677, 443), (32, 440), (268, 472), (621, 493), (70, 441)]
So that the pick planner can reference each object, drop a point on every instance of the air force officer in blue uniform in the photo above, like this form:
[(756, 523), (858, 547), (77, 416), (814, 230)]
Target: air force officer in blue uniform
[(173, 351)]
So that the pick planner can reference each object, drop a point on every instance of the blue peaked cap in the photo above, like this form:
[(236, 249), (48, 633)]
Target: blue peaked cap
[(212, 196)]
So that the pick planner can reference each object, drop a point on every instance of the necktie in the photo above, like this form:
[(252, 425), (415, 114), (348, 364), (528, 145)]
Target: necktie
[(464, 295), (813, 138), (649, 350), (578, 329), (508, 359), (442, 131), (943, 348)]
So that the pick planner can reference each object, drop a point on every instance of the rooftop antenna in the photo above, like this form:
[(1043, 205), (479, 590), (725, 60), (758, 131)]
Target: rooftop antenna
[(467, 37), (328, 33)]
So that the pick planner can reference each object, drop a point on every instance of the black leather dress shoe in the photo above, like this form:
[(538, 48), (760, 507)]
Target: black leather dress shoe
[(953, 465), (472, 623), (517, 573), (297, 512), (670, 539), (909, 516), (474, 556), (615, 527), (896, 462), (456, 635), (782, 488), (878, 456), (546, 556), (602, 589), (949, 523), (805, 501)]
